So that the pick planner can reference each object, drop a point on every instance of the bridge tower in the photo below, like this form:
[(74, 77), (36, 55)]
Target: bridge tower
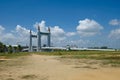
[(38, 36)]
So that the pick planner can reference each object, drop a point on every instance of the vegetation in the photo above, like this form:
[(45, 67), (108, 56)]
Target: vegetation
[(9, 49), (14, 55), (107, 57), (2, 47)]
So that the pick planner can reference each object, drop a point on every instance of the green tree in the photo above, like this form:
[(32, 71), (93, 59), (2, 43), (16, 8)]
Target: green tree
[(10, 49), (19, 48), (5, 48), (1, 47), (104, 47), (14, 49)]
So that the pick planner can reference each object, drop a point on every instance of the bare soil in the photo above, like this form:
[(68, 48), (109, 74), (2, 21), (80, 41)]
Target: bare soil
[(37, 67)]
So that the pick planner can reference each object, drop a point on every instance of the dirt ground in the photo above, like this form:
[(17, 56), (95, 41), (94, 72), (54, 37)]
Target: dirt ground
[(37, 67)]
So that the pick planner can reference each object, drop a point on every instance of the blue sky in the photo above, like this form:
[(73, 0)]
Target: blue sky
[(101, 18)]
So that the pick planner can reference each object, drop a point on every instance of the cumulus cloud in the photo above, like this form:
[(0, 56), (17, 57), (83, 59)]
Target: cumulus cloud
[(6, 37), (88, 27), (9, 38), (21, 34), (59, 37), (21, 31), (57, 33), (114, 22), (42, 26), (1, 29), (115, 34), (69, 34)]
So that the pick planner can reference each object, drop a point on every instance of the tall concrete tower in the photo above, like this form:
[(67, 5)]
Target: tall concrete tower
[(38, 36), (49, 35), (38, 40), (30, 44)]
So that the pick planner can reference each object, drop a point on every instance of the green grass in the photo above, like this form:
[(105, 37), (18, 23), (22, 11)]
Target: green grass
[(29, 77), (78, 53), (108, 57), (71, 54), (14, 55)]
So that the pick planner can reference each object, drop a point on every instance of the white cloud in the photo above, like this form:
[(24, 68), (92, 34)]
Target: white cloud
[(6, 37), (42, 26), (22, 35), (114, 22), (69, 34), (88, 27), (9, 38), (1, 29), (23, 32), (115, 34), (57, 33), (59, 37)]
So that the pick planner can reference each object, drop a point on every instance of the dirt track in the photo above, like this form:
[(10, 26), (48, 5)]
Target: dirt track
[(37, 67)]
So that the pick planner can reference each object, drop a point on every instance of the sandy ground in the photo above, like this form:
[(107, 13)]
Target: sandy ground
[(37, 67)]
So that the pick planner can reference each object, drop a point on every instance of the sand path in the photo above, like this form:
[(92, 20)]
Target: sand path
[(37, 67)]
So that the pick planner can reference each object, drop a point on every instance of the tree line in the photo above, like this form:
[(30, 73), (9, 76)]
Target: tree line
[(9, 49)]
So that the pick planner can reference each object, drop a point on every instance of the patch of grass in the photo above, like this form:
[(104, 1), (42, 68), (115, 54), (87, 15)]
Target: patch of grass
[(107, 57), (14, 55), (59, 53), (33, 77), (29, 76), (10, 79), (85, 67)]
